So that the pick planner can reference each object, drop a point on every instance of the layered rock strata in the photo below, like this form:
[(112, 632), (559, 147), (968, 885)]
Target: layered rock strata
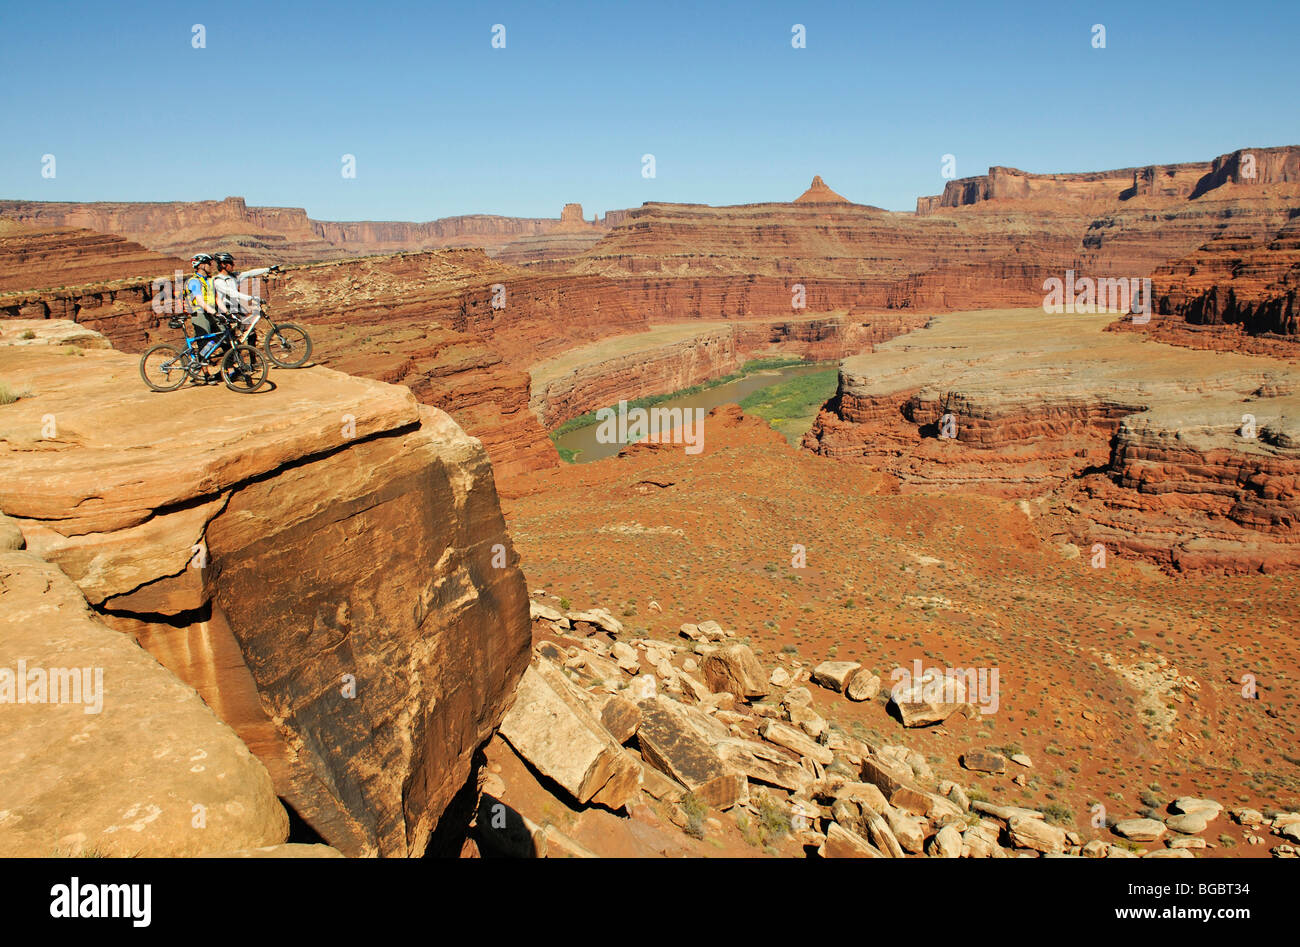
[(1189, 458), (324, 562)]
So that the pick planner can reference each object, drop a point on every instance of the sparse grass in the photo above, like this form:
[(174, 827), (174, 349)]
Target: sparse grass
[(1058, 814), (10, 395), (27, 334), (696, 811)]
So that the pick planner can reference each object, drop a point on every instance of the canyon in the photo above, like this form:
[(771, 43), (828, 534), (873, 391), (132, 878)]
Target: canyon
[(1070, 495)]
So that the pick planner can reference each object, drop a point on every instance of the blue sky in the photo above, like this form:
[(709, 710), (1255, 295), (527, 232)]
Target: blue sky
[(441, 123)]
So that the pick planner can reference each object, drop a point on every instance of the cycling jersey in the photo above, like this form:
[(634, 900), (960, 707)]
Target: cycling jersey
[(199, 294)]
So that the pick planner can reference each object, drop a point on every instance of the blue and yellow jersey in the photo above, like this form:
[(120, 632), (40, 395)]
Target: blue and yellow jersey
[(199, 289)]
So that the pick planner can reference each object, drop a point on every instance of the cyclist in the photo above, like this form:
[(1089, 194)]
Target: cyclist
[(230, 300), (200, 297)]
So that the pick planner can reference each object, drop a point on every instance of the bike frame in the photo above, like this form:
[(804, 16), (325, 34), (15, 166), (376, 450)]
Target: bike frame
[(194, 345)]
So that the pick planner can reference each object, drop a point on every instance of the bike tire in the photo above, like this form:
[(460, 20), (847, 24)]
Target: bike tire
[(287, 345), (244, 369), (163, 367)]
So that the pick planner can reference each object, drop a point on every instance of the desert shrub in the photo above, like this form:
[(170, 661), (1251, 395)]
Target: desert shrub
[(696, 811)]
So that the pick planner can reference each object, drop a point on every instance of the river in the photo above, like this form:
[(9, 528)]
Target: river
[(584, 442)]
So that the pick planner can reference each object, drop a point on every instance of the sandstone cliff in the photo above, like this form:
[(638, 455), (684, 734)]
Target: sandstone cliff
[(324, 562), (1247, 166), (1235, 292), (1184, 457), (288, 235), (35, 258)]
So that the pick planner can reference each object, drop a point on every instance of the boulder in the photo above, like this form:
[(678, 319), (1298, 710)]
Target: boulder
[(600, 618), (908, 829), (864, 794), (797, 696), (537, 611), (620, 717), (862, 686), (555, 731), (881, 834), (1140, 830), (889, 775), (1192, 823), (844, 843), (946, 843), (287, 850), (835, 675), (984, 761), (1036, 834), (736, 670), (932, 698), (626, 657), (654, 783), (779, 677), (108, 754), (711, 631), (1005, 813), (1189, 805), (671, 745), (793, 740), (761, 764), (808, 720)]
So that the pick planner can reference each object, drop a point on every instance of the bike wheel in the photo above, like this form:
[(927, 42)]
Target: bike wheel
[(164, 367), (288, 345), (244, 369)]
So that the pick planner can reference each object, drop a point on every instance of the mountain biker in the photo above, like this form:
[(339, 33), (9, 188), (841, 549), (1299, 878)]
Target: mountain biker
[(200, 297), (230, 300)]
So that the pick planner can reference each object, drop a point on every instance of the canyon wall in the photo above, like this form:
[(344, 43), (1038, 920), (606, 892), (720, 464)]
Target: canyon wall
[(1186, 458), (1238, 291), (52, 257), (287, 235), (325, 562), (586, 379), (1248, 166)]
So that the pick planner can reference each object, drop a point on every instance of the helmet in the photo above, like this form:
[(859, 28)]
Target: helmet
[(199, 259), (225, 258)]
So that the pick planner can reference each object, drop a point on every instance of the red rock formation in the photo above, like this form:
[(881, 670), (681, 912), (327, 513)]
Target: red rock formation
[(326, 563), (1235, 292), (287, 234), (819, 193), (45, 258), (1182, 457)]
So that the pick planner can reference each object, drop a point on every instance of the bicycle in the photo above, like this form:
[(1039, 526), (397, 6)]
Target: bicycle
[(164, 367), (287, 345)]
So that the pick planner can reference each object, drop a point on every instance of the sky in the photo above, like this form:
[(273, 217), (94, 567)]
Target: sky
[(442, 123)]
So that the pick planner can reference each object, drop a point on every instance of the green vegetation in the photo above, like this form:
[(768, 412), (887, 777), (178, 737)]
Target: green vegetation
[(1058, 814), (649, 401), (791, 405), (27, 334)]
